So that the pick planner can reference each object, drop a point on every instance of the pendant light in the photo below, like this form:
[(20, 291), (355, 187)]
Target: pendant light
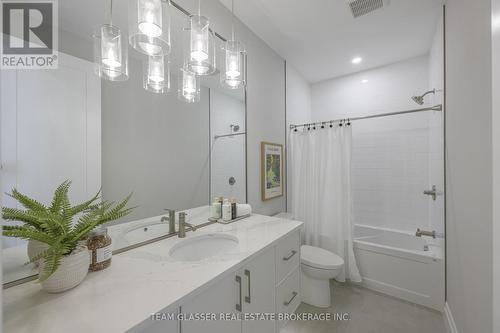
[(149, 26), (156, 75), (233, 72), (110, 53), (188, 87), (199, 45)]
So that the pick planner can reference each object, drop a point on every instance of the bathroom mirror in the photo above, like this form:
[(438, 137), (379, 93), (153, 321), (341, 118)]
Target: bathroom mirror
[(115, 136)]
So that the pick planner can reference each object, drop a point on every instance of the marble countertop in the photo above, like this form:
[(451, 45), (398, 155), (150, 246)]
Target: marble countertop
[(138, 283)]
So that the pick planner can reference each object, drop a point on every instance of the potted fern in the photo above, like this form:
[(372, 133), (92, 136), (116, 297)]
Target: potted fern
[(60, 230)]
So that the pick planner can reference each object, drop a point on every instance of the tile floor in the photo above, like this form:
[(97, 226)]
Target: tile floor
[(370, 312)]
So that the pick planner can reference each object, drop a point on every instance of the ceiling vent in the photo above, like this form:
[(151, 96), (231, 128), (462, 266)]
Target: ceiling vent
[(363, 7)]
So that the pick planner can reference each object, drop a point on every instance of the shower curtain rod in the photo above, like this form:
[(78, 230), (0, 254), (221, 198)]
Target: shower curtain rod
[(438, 107)]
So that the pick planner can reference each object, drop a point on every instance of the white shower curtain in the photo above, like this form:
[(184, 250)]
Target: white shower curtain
[(321, 191)]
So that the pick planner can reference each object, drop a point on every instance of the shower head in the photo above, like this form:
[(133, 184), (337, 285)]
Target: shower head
[(234, 128), (420, 99)]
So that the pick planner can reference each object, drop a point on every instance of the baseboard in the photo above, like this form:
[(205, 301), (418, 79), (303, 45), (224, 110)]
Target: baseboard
[(401, 293), (448, 320)]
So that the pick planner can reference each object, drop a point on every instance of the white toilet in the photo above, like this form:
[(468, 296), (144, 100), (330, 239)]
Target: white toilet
[(318, 266)]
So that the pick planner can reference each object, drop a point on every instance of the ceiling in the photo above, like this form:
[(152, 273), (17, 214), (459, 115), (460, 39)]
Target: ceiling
[(320, 37)]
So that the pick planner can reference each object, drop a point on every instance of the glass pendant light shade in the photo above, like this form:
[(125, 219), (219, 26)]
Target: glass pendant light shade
[(149, 26), (188, 87), (156, 75), (199, 46), (233, 71), (110, 53)]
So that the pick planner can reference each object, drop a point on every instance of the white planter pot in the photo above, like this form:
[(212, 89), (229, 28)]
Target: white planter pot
[(71, 272), (35, 248)]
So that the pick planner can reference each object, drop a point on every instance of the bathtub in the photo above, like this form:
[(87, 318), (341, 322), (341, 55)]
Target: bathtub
[(401, 265)]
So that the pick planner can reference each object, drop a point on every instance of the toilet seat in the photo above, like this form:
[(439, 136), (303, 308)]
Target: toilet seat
[(319, 258)]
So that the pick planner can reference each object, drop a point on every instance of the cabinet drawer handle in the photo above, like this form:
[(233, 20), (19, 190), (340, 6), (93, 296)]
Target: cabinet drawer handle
[(238, 305), (247, 298), (290, 255), (287, 303)]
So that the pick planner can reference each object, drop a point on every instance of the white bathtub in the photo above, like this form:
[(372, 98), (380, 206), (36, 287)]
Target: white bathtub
[(401, 264)]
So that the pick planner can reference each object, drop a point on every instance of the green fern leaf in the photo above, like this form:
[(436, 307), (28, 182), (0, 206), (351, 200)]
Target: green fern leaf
[(26, 201), (53, 225), (60, 197), (13, 214)]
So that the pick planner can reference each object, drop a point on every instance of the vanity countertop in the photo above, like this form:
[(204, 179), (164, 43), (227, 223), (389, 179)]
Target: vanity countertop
[(138, 283)]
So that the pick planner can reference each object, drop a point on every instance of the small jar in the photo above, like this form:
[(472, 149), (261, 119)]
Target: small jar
[(233, 209), (99, 245), (216, 208)]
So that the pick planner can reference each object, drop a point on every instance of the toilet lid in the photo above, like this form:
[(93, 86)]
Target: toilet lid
[(319, 258)]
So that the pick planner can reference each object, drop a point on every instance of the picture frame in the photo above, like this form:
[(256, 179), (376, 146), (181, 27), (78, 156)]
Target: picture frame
[(272, 170)]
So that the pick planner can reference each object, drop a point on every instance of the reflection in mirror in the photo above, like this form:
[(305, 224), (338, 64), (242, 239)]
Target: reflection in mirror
[(68, 123), (228, 144)]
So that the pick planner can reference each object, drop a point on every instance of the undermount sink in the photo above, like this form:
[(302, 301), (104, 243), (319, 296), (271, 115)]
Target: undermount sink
[(203, 246), (146, 232)]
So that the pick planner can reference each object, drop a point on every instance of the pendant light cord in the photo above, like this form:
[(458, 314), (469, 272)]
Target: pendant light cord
[(111, 12), (232, 20), (199, 7)]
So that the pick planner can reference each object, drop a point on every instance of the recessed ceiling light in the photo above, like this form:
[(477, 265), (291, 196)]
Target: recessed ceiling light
[(364, 81), (356, 60)]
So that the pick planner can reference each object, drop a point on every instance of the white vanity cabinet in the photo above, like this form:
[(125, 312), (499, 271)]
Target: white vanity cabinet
[(268, 283), (248, 290), (287, 275), (221, 297), (153, 291), (259, 292)]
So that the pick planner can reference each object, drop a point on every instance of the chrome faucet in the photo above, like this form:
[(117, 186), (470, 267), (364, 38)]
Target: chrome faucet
[(183, 224), (171, 220), (421, 233)]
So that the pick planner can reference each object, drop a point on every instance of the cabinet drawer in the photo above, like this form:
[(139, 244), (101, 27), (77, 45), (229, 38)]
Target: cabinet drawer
[(288, 295), (287, 255)]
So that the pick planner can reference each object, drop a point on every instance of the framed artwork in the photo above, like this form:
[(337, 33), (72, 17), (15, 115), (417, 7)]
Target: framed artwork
[(271, 164)]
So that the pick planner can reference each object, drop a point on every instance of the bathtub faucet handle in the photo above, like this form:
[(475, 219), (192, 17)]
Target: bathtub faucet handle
[(421, 233)]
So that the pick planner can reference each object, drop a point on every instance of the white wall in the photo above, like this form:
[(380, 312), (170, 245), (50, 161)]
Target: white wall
[(391, 155), (496, 162), (298, 111), (298, 97), (469, 164), (389, 88)]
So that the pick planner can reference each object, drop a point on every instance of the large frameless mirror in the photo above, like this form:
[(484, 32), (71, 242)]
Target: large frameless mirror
[(138, 125)]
